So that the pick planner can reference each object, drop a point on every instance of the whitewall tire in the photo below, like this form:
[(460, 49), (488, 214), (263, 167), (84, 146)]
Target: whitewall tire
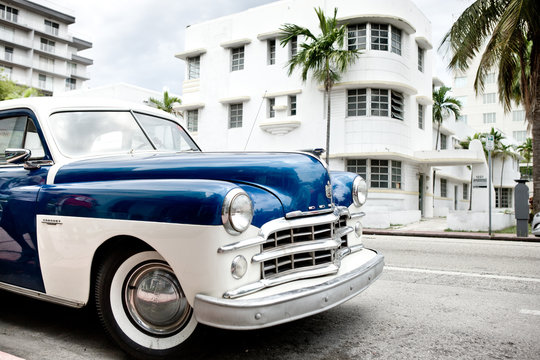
[(141, 304)]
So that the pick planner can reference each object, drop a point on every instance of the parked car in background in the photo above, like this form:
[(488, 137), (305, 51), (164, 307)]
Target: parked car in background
[(114, 204), (535, 225)]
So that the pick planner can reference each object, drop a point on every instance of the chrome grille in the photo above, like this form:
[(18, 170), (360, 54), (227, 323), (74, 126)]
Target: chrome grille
[(286, 244)]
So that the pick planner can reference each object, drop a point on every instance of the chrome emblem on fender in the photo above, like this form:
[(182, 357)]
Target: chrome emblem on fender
[(328, 189)]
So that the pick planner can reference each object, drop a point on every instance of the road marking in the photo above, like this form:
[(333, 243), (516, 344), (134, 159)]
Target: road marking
[(6, 356), (530, 312), (466, 274)]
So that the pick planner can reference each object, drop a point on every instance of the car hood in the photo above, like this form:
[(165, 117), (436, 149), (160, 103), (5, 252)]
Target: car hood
[(298, 180)]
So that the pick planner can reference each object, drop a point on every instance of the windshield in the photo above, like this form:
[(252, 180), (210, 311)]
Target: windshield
[(88, 133)]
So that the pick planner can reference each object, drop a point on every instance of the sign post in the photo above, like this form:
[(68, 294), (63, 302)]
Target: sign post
[(490, 145)]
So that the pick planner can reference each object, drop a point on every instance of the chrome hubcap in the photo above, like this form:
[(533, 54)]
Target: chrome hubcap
[(154, 299)]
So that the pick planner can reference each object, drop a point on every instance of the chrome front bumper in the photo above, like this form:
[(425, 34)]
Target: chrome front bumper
[(256, 313)]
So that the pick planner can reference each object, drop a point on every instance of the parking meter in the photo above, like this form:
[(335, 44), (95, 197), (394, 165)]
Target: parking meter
[(521, 207)]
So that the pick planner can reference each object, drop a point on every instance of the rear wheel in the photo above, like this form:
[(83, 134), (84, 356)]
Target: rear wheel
[(142, 305)]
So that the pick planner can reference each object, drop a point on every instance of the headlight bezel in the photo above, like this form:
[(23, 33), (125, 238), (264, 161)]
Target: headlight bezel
[(232, 202), (359, 191)]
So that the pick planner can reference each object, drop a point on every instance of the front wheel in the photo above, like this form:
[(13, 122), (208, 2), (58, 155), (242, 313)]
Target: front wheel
[(142, 305)]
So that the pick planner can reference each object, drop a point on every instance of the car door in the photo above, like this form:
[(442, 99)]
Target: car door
[(19, 186)]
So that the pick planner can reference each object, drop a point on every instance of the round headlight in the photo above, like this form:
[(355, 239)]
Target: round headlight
[(359, 191), (237, 211)]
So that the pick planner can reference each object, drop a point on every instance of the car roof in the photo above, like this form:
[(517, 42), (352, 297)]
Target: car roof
[(46, 105)]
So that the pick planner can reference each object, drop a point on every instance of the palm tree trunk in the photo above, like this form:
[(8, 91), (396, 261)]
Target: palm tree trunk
[(535, 73), (471, 192), (438, 134), (500, 189), (327, 91)]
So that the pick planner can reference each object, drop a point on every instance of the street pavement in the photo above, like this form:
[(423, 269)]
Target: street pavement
[(437, 298), (436, 227)]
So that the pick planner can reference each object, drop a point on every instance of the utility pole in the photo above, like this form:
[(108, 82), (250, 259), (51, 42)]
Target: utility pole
[(490, 145)]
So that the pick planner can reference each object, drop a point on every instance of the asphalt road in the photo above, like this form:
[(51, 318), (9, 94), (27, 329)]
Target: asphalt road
[(436, 299)]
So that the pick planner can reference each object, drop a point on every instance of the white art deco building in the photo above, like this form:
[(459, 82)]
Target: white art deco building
[(237, 96), (37, 50)]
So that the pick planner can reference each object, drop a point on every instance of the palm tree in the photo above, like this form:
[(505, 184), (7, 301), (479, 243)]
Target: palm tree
[(525, 150), (510, 32), (504, 151), (167, 103), (323, 55), (443, 106)]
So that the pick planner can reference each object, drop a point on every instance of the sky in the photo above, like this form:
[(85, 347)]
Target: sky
[(134, 41)]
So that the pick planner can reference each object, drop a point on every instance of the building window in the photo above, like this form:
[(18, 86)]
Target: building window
[(465, 191), (489, 118), (235, 115), (293, 46), (379, 37), (193, 120), (292, 105), (357, 102), (358, 166), (194, 67), (490, 78), (9, 13), (379, 102), (71, 84), (46, 63), (271, 51), (397, 105), (396, 174), (420, 59), (379, 173), (356, 37), (462, 118), (47, 45), (271, 104), (443, 142), (443, 188), (383, 37), (396, 40), (8, 53), (420, 116), (72, 68), (520, 136), (51, 27), (489, 98), (6, 72), (460, 81), (382, 102), (237, 58), (505, 200), (45, 82), (518, 115)]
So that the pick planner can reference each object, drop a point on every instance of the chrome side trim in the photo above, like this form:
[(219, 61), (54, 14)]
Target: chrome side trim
[(257, 313), (282, 279), (41, 296), (298, 213), (358, 215)]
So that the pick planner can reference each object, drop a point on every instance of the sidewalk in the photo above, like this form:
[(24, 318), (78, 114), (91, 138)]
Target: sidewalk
[(435, 227)]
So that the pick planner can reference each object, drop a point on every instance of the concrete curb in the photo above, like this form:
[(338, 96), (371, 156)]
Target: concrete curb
[(454, 235)]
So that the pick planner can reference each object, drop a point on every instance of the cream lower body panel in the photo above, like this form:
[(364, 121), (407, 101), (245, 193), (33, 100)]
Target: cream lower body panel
[(66, 251)]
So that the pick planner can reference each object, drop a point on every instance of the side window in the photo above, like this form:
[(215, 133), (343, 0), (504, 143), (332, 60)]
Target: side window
[(19, 132)]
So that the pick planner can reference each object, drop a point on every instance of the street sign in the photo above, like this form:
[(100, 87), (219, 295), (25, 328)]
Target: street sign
[(490, 143), (480, 181)]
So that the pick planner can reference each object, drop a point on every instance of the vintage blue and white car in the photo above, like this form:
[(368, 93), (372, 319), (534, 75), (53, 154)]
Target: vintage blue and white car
[(113, 204)]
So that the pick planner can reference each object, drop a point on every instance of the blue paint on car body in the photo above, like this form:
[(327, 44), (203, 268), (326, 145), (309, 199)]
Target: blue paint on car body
[(297, 180)]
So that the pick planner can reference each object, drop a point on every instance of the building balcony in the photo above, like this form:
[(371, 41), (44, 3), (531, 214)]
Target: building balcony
[(18, 41), (13, 60), (81, 60), (78, 74)]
